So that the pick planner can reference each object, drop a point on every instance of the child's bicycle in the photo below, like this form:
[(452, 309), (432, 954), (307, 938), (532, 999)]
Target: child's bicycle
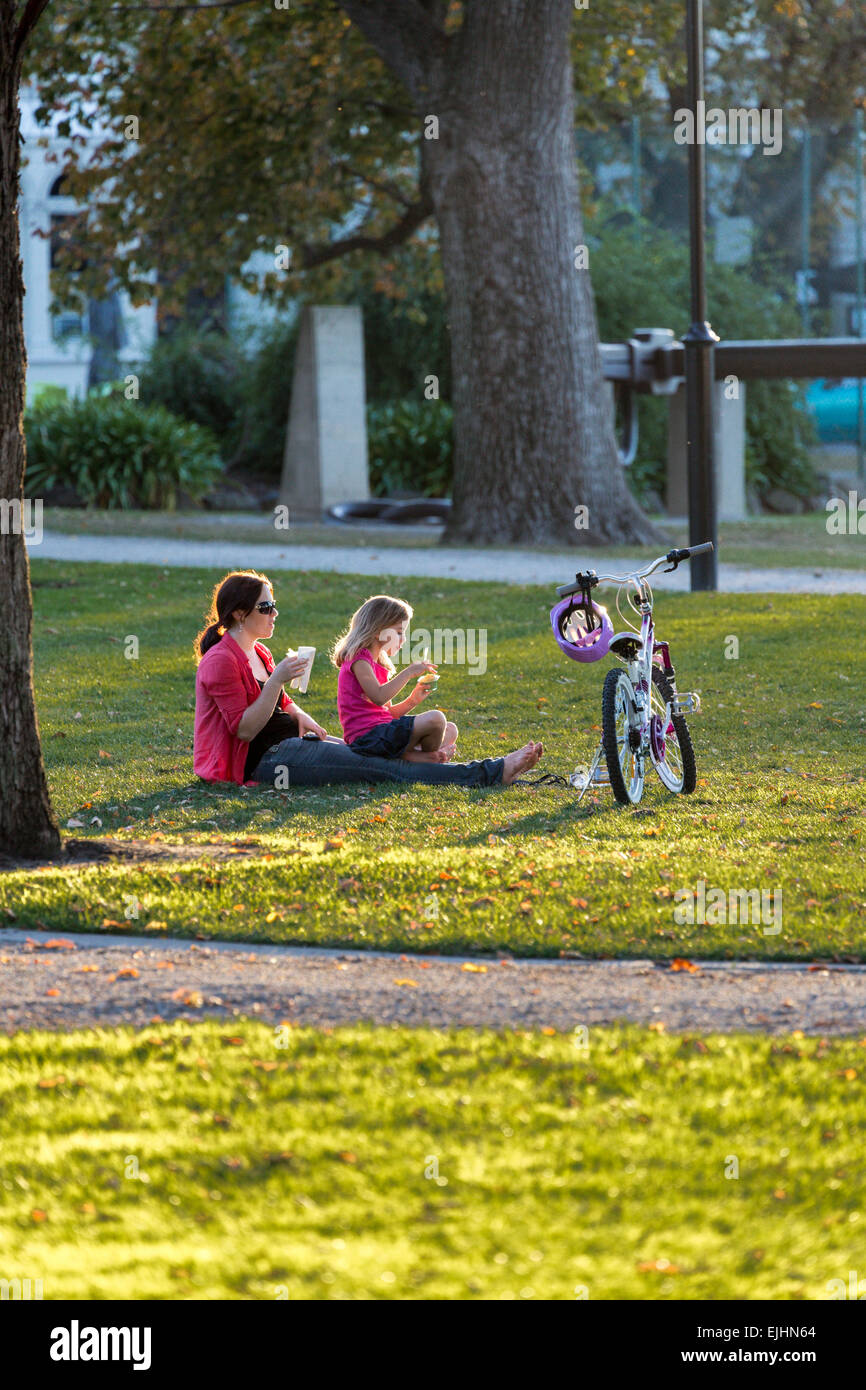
[(642, 715)]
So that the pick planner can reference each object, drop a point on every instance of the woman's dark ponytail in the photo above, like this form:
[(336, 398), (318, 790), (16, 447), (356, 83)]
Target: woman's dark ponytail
[(237, 591), (209, 638)]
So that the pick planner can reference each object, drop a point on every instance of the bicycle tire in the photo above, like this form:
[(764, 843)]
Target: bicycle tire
[(684, 738), (610, 741)]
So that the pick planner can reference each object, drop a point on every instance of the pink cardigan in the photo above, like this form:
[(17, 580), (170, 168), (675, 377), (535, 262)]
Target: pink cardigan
[(224, 687)]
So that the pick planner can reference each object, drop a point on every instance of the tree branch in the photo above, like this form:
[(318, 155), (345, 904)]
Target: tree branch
[(406, 39), (386, 186), (319, 255), (26, 24)]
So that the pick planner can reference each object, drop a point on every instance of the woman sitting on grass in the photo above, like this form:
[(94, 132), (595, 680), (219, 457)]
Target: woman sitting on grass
[(247, 729), (367, 684)]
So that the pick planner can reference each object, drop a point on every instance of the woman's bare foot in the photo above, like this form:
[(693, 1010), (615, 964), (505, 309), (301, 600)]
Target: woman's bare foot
[(521, 761), (449, 749)]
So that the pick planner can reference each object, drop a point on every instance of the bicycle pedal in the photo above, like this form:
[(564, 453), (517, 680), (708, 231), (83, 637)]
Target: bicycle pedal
[(687, 703), (584, 777)]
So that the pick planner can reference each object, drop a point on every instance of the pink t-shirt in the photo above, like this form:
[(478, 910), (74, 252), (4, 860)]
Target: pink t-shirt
[(357, 712)]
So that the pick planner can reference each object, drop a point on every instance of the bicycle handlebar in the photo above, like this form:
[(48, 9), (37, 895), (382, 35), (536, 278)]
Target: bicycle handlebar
[(673, 558)]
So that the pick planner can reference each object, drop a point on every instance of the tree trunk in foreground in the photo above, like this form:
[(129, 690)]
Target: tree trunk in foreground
[(533, 421), (27, 823)]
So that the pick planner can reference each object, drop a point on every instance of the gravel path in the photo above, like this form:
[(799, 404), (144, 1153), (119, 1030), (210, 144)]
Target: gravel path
[(107, 982), (500, 566)]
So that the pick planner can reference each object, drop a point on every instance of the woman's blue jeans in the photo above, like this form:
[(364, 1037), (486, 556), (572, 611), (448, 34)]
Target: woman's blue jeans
[(314, 763)]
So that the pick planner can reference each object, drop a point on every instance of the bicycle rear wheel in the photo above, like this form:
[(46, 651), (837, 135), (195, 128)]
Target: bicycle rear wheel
[(625, 765), (671, 748)]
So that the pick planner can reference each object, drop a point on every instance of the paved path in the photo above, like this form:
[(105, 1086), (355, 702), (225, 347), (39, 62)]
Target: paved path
[(499, 566), (104, 982)]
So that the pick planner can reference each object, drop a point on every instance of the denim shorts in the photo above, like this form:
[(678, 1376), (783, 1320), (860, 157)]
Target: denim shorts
[(389, 740)]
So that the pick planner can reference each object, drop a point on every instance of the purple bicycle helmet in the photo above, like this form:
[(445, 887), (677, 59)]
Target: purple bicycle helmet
[(572, 632)]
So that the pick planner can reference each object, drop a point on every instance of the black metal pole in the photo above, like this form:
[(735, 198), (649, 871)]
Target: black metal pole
[(698, 343)]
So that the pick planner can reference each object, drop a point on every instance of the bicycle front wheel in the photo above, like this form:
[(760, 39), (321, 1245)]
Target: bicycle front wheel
[(619, 737)]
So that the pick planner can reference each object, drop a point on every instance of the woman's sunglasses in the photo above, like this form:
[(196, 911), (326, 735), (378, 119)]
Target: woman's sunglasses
[(266, 607)]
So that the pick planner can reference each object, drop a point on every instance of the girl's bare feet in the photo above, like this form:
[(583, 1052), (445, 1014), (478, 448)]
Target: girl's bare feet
[(449, 741), (437, 756), (521, 761)]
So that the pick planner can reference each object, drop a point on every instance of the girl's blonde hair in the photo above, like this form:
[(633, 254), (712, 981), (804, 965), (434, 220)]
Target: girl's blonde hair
[(373, 622)]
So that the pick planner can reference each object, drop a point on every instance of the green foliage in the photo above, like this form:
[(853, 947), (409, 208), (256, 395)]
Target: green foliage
[(411, 449), (46, 392), (117, 453), (404, 343), (640, 276), (266, 390), (195, 375), (239, 392)]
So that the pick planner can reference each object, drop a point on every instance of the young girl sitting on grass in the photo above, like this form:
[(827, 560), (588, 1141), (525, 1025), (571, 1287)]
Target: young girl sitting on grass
[(367, 683)]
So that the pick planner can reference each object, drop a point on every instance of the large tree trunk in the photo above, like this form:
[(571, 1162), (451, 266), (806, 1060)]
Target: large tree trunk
[(533, 422), (27, 823)]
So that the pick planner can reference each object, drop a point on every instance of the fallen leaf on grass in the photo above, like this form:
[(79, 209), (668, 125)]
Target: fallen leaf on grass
[(53, 992), (849, 1074), (86, 969), (155, 926), (412, 983), (49, 1082), (476, 969), (335, 843), (192, 997), (348, 1157), (37, 1214), (658, 1267), (657, 1027), (678, 963), (59, 943)]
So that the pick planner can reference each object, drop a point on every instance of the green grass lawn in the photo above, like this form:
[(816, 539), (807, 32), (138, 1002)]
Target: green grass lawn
[(765, 541), (188, 1161), (779, 804)]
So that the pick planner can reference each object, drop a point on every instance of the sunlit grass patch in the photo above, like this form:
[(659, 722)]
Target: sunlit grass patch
[(205, 1161)]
